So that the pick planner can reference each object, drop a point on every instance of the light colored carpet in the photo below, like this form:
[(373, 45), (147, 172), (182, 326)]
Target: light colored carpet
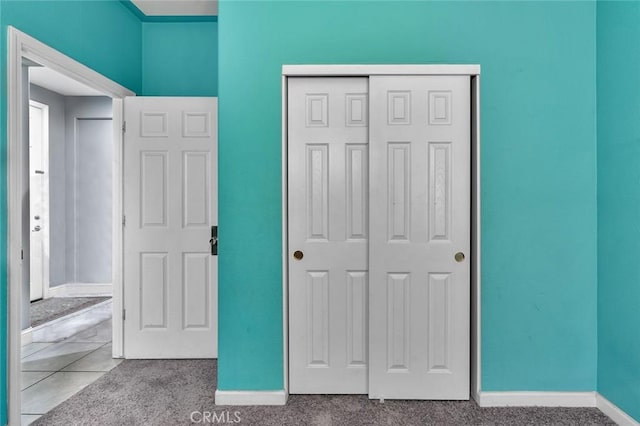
[(47, 310), (167, 392)]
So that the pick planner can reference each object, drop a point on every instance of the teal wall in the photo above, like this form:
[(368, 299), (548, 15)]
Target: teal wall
[(538, 171), (618, 85), (540, 251), (180, 59), (103, 35)]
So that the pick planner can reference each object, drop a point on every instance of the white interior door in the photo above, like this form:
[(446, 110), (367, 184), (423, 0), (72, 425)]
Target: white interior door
[(379, 278), (38, 196), (170, 205), (328, 226), (420, 219)]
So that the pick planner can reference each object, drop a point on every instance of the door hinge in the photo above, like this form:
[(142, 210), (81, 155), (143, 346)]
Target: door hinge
[(124, 314), (124, 127), (124, 220), (21, 254)]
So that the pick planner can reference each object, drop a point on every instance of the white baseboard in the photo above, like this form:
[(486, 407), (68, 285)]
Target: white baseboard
[(536, 399), (484, 399), (26, 336), (81, 290), (475, 395), (223, 397), (555, 399), (614, 412)]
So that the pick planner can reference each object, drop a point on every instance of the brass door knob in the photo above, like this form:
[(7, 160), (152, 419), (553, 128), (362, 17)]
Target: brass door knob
[(459, 257), (298, 254)]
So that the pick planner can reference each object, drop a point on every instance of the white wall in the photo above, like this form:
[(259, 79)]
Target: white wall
[(88, 158), (57, 182)]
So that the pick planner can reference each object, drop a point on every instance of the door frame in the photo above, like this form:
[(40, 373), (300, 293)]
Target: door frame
[(473, 71), (23, 47), (45, 196)]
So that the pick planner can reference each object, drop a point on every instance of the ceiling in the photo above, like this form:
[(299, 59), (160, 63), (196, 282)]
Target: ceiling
[(177, 7), (56, 82)]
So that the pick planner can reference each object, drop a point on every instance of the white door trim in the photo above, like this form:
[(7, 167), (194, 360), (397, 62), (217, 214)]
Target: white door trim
[(476, 264), (285, 243), (368, 70), (22, 46), (117, 236), (223, 397)]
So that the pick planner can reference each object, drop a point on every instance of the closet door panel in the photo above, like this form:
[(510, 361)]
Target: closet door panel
[(328, 228), (419, 237)]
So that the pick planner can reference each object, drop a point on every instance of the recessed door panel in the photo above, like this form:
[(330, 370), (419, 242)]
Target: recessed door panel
[(439, 201), (398, 325), (398, 185), (153, 188), (153, 290), (438, 334), (196, 283), (317, 191), (357, 178), (357, 319), (196, 190), (318, 318)]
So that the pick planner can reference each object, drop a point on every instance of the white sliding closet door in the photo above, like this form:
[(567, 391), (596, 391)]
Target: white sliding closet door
[(328, 226), (379, 235), (420, 219)]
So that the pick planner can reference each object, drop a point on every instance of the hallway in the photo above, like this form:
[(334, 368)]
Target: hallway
[(53, 371)]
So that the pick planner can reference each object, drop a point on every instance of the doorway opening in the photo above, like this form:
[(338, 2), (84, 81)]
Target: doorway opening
[(31, 254), (70, 208), (70, 137)]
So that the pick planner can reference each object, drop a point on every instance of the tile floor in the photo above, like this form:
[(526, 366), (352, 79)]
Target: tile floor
[(54, 371)]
